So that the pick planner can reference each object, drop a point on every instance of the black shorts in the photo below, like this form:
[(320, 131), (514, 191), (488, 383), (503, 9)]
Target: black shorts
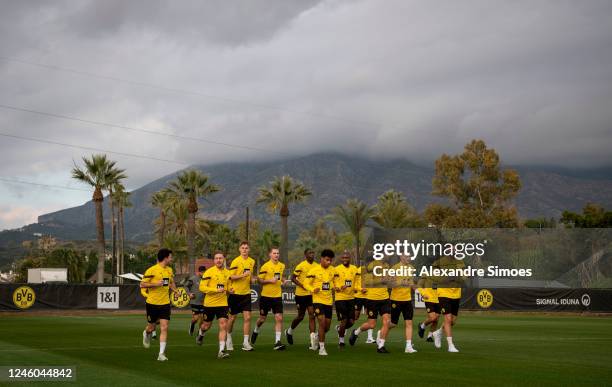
[(270, 303), (197, 308), (239, 303), (359, 303), (212, 312), (432, 307), (404, 308), (377, 307), (449, 305), (322, 309), (157, 312), (345, 310), (303, 302)]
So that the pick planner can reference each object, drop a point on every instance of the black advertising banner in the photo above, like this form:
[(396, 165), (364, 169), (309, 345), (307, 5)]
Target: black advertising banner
[(22, 297)]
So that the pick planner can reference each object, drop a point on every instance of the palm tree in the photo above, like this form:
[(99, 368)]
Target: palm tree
[(353, 216), (189, 186), (281, 192), (122, 199), (392, 211), (162, 200), (97, 172)]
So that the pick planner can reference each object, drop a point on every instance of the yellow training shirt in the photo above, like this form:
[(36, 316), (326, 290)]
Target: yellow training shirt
[(268, 271), (322, 279), (347, 276), (158, 295), (301, 271), (241, 266), (401, 290), (213, 280)]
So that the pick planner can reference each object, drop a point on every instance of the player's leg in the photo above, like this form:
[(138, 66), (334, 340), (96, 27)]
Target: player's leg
[(264, 307), (369, 324), (246, 329), (147, 334), (408, 313), (163, 339), (384, 331), (207, 318), (321, 333), (301, 311), (223, 326), (278, 328), (342, 315)]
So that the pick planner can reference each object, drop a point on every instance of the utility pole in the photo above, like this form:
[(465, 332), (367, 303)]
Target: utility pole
[(247, 224)]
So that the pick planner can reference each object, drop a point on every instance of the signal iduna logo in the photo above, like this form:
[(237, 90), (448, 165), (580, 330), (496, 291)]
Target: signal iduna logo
[(24, 297)]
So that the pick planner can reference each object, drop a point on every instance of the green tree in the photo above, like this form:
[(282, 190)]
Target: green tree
[(161, 200), (190, 186), (98, 172), (353, 216), (393, 211), (593, 216), (122, 199), (282, 192), (479, 191), (267, 240)]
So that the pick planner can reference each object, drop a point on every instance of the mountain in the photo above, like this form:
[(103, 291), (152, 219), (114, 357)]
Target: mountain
[(333, 178)]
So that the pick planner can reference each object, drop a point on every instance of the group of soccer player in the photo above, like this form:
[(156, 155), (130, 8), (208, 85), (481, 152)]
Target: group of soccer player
[(222, 293)]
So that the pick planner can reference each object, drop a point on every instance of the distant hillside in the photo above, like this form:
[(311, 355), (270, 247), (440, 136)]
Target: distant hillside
[(333, 179)]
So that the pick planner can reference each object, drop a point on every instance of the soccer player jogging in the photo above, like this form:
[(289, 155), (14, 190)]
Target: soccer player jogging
[(319, 282), (360, 303), (432, 308), (346, 283), (377, 304), (241, 273), (192, 284), (449, 299), (401, 302), (157, 279), (271, 278), (303, 299), (215, 284)]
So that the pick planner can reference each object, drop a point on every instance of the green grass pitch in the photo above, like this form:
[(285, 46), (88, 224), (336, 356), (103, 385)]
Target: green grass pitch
[(496, 349)]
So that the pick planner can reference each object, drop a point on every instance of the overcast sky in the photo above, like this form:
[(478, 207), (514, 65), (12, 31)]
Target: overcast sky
[(394, 78)]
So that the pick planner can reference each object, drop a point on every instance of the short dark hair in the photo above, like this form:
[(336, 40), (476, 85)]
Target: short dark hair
[(327, 253), (219, 252), (244, 243), (272, 248), (202, 268), (163, 254), (307, 251)]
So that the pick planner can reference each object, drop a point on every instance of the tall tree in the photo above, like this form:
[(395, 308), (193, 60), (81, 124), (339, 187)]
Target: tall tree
[(122, 198), (281, 192), (479, 191), (162, 200), (393, 211), (353, 216), (190, 186), (97, 172)]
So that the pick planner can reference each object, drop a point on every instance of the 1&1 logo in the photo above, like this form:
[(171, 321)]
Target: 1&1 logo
[(484, 298), (24, 297), (180, 299)]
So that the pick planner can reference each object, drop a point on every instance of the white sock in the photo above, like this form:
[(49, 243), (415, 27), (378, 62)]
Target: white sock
[(357, 331), (381, 343), (256, 330), (370, 337), (221, 345), (277, 336), (408, 343), (321, 345), (162, 347), (422, 325), (450, 341), (341, 340), (246, 339), (289, 331), (200, 333), (429, 335), (229, 339)]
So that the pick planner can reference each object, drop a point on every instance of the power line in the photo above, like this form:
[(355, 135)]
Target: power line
[(363, 124), (125, 127), (90, 148), (42, 185)]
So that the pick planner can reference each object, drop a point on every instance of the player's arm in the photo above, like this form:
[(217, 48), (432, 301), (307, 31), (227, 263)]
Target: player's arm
[(205, 285), (309, 283), (234, 271), (357, 282), (295, 275), (146, 281), (261, 277)]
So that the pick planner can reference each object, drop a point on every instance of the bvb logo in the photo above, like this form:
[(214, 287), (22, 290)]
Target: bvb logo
[(180, 299), (24, 297), (484, 298)]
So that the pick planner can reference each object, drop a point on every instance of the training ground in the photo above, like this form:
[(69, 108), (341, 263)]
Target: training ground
[(497, 348)]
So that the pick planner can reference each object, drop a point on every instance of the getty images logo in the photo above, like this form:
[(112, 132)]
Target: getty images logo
[(585, 300)]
